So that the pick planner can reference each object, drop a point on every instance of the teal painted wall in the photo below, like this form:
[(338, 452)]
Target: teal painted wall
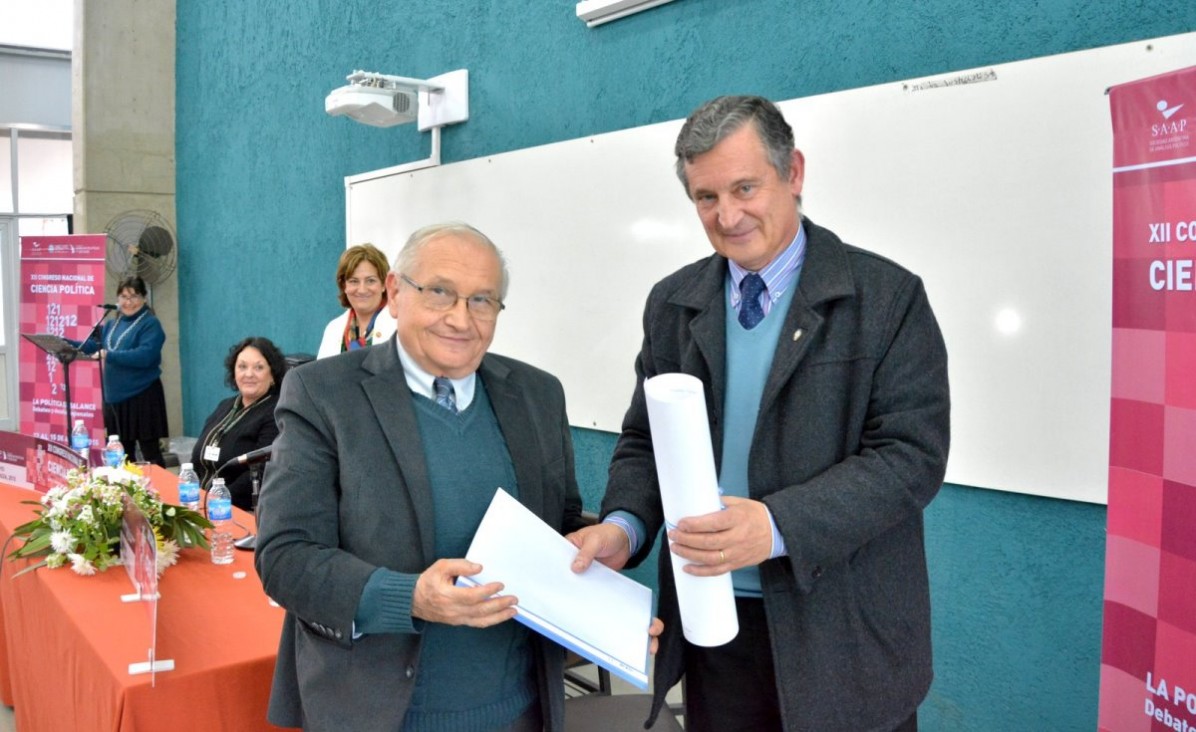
[(1016, 580)]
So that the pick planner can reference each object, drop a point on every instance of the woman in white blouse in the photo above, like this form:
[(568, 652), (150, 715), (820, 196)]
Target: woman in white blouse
[(361, 279)]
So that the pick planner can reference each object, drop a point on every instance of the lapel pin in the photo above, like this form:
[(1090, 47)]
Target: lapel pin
[(796, 335)]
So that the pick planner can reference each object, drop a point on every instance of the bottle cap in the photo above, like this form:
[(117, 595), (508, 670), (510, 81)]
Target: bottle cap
[(186, 466), (114, 438)]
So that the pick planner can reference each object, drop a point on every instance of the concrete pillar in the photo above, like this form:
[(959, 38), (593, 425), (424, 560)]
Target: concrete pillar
[(122, 94)]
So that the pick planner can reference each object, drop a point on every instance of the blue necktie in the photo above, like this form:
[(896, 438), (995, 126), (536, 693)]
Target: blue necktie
[(750, 311), (444, 393)]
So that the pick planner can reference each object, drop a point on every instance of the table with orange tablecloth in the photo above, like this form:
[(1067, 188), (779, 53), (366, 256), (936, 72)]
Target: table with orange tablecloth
[(70, 641)]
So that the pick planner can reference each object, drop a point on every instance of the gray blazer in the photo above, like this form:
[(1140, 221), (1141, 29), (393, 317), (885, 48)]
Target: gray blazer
[(347, 492), (850, 445)]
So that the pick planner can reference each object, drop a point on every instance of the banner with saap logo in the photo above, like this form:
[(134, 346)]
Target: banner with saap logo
[(62, 282), (1148, 654)]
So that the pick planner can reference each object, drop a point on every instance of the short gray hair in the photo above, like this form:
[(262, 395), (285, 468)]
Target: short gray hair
[(407, 256), (721, 117)]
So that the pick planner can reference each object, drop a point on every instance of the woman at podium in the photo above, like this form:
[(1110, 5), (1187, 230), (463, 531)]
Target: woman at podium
[(245, 421), (130, 352), (361, 279)]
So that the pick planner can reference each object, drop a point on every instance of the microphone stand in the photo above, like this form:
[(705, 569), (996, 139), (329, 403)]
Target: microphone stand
[(97, 332), (249, 542)]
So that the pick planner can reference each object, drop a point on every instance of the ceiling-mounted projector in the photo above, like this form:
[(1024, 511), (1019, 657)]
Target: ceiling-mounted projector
[(373, 105), (383, 100)]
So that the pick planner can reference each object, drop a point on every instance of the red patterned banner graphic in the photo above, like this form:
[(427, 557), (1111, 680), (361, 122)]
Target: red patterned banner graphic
[(35, 463), (62, 282), (1148, 653)]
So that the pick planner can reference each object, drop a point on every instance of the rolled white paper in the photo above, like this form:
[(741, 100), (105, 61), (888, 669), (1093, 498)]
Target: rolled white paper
[(689, 487)]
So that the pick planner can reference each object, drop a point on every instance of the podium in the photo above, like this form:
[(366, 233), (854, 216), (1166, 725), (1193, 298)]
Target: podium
[(61, 349)]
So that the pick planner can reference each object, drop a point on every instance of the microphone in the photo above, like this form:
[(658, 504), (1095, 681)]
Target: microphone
[(107, 306), (260, 455)]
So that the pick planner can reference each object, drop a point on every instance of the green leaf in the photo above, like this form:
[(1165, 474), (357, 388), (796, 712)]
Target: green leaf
[(30, 568)]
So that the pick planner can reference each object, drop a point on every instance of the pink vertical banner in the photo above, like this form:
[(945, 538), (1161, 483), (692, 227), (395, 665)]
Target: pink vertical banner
[(1148, 652), (62, 282)]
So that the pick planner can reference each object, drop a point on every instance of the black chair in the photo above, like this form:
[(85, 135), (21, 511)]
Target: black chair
[(615, 713), (596, 708), (297, 359)]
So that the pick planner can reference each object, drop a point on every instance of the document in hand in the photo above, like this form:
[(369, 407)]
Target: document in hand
[(600, 614)]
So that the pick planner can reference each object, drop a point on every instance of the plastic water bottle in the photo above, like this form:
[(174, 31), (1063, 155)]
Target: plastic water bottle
[(114, 452), (220, 513), (188, 487), (80, 440)]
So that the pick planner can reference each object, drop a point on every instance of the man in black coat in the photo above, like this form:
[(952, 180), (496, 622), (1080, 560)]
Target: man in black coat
[(378, 481), (825, 379)]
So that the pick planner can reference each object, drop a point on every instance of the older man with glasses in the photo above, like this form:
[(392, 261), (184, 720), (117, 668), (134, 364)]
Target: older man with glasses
[(386, 461)]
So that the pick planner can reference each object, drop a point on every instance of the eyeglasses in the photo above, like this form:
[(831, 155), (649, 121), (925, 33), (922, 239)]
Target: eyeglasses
[(439, 297), (129, 297)]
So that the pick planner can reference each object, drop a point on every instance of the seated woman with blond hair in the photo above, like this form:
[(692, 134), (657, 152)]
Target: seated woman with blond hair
[(361, 279)]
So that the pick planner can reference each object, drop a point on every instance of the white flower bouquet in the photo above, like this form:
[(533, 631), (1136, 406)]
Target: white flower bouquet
[(80, 524)]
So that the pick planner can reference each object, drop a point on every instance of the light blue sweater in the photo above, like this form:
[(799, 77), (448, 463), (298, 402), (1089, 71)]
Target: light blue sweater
[(749, 359)]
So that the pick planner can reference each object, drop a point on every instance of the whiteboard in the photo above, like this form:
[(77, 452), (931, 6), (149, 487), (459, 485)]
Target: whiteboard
[(993, 184)]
